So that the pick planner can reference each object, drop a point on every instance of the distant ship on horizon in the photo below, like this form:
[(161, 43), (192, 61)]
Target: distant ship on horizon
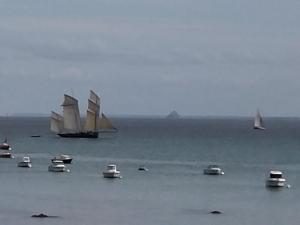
[(69, 125)]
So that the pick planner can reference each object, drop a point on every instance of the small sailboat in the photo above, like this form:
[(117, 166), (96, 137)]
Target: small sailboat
[(105, 125), (258, 122)]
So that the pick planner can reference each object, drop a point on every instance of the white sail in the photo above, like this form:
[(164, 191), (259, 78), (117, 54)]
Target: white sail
[(90, 122), (71, 114), (92, 106), (92, 112), (56, 122), (258, 122), (94, 97), (105, 123)]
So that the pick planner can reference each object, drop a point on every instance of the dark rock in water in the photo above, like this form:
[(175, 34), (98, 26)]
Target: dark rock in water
[(41, 215), (215, 212)]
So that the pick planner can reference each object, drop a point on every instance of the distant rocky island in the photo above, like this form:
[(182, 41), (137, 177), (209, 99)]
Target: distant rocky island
[(173, 115)]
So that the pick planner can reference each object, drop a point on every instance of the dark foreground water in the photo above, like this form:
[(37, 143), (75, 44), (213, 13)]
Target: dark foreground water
[(173, 192)]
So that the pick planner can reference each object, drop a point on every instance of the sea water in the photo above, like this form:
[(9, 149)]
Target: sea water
[(173, 192)]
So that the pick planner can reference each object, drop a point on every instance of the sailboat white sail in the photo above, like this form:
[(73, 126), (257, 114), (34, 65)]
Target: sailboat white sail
[(56, 122), (71, 114), (92, 113), (95, 98), (258, 121), (105, 125)]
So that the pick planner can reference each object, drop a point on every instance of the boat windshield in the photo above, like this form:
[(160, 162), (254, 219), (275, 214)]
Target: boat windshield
[(111, 167), (276, 175), (26, 159)]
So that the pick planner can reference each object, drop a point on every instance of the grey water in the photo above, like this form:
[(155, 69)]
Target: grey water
[(173, 192)]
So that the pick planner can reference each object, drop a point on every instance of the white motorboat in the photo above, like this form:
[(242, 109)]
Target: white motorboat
[(25, 162), (57, 166), (213, 170), (111, 172), (275, 179), (65, 158)]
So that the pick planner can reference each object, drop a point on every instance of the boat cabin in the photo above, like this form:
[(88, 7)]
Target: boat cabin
[(275, 174), (111, 167)]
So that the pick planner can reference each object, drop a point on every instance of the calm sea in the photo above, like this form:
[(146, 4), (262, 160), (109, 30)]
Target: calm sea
[(173, 192)]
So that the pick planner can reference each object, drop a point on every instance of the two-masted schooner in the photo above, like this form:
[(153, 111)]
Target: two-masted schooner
[(69, 125), (258, 122)]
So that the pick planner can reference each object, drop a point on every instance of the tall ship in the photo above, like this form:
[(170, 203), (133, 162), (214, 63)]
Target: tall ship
[(69, 124), (258, 122)]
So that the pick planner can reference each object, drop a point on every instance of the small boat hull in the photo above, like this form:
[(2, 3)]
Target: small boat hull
[(65, 161), (24, 164), (276, 183), (213, 172), (112, 174), (52, 168), (7, 155)]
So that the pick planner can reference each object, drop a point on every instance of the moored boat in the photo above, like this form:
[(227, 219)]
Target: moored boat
[(5, 145), (66, 159), (213, 170), (275, 179), (26, 162), (57, 166), (6, 154), (111, 172)]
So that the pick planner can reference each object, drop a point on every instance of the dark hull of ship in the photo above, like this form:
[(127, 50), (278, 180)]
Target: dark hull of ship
[(79, 135)]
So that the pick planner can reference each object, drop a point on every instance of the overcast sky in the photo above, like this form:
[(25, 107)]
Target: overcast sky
[(148, 57)]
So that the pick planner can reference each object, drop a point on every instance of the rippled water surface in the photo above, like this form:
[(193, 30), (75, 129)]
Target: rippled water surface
[(173, 192)]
